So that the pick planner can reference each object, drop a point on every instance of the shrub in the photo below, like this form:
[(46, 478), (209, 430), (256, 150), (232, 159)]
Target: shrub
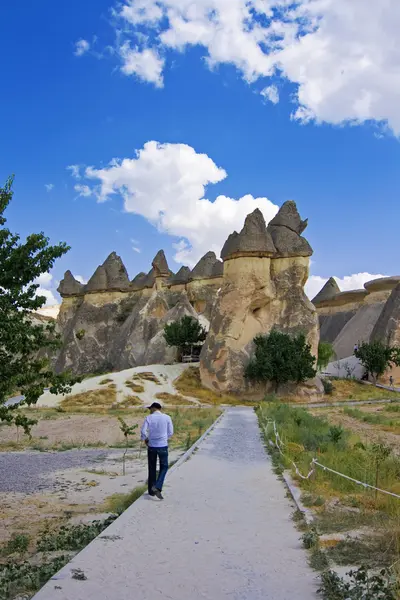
[(328, 386), (281, 358), (325, 354), (80, 334)]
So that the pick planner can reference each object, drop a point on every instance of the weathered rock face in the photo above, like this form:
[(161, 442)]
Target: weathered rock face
[(329, 290), (262, 289), (352, 317), (112, 325), (69, 286)]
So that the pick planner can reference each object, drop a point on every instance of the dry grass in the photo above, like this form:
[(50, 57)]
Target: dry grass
[(105, 381), (349, 389), (146, 376), (173, 399), (138, 388), (105, 397), (189, 384), (128, 402)]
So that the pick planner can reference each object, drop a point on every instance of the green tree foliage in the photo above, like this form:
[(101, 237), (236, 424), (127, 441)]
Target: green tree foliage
[(325, 354), (377, 357), (23, 368), (281, 358), (184, 333)]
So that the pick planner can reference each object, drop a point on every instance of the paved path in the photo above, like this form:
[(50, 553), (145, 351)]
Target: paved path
[(224, 531)]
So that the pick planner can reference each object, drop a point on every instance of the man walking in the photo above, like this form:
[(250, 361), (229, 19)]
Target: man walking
[(156, 431)]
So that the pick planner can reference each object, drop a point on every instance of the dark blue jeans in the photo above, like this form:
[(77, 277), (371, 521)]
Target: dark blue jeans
[(152, 455)]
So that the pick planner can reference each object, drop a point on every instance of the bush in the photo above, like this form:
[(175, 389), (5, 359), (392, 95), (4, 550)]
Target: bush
[(80, 334), (325, 354), (281, 358), (328, 386)]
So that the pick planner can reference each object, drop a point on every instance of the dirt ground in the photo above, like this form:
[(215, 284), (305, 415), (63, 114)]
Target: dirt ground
[(368, 432), (71, 430)]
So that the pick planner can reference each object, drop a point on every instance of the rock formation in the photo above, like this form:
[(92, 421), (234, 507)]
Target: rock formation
[(265, 270), (329, 290), (113, 324), (348, 318)]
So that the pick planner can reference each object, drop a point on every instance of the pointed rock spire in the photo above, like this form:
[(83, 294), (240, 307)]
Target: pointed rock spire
[(329, 290), (288, 216), (182, 276), (111, 275), (160, 265), (69, 286), (285, 229), (138, 282), (205, 266), (254, 237)]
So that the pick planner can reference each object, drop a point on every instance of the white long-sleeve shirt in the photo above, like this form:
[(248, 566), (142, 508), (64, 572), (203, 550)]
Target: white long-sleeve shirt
[(157, 428)]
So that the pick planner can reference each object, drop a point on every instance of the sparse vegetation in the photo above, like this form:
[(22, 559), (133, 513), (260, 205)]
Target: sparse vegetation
[(189, 384), (80, 334), (138, 388), (328, 386), (129, 401), (146, 376), (72, 537), (105, 381), (104, 397), (174, 399), (280, 358), (118, 503), (26, 578), (127, 430), (350, 389)]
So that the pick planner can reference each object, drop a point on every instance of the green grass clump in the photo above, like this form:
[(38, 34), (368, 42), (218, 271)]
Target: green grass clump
[(22, 578), (306, 437), (371, 418), (71, 537), (118, 503)]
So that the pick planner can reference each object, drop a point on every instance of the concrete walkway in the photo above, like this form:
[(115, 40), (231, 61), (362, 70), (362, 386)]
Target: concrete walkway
[(224, 531)]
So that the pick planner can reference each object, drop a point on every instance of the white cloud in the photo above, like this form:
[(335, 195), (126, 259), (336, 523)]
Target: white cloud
[(81, 47), (48, 294), (49, 186), (75, 171), (135, 249), (349, 282), (83, 190), (271, 93), (145, 64), (80, 279), (44, 280), (343, 55), (165, 183)]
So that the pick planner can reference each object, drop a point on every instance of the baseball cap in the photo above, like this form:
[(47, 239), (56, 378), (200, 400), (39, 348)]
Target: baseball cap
[(155, 405)]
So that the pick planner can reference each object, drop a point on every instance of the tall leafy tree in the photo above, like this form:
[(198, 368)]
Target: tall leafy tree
[(184, 333), (377, 357), (24, 368), (325, 354), (281, 358)]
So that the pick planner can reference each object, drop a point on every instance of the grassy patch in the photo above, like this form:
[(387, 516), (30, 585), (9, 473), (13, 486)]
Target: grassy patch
[(146, 376), (118, 503), (190, 424), (371, 418), (350, 389), (138, 388), (93, 398), (189, 384), (128, 402), (174, 399), (105, 381), (23, 578), (71, 537), (19, 543)]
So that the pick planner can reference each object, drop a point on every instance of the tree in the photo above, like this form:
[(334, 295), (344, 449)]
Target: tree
[(184, 333), (325, 355), (127, 430), (377, 357), (281, 358), (23, 367)]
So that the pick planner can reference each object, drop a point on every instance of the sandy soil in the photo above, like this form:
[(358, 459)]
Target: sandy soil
[(76, 429), (165, 375)]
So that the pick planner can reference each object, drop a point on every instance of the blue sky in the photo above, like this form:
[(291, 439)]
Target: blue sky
[(242, 106)]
